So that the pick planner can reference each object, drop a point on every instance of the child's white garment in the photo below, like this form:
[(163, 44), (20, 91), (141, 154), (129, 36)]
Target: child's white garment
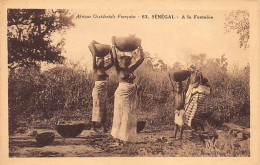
[(179, 117)]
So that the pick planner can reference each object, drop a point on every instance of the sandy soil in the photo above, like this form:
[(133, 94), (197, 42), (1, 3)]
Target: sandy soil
[(149, 143)]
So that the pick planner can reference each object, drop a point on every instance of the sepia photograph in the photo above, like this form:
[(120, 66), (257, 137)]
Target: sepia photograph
[(130, 82)]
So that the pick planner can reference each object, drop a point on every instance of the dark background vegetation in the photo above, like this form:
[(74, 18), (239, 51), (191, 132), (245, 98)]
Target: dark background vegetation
[(63, 93)]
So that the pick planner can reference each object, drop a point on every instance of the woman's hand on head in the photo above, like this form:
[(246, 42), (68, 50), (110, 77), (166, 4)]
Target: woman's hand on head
[(92, 49), (94, 42), (113, 40), (139, 44)]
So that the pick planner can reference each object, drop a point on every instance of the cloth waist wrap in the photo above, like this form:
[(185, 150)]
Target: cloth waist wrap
[(124, 122), (99, 95), (179, 117)]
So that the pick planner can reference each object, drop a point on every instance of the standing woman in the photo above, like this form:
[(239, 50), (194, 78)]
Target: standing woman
[(99, 93), (124, 122)]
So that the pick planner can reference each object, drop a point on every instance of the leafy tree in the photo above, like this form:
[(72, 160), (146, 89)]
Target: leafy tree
[(239, 21), (29, 36)]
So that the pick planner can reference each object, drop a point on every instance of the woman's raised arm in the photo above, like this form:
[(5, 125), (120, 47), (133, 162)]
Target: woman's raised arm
[(140, 61), (93, 51), (111, 62), (114, 54)]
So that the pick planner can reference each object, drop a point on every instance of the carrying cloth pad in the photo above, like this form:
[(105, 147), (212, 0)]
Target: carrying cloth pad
[(99, 94), (124, 121)]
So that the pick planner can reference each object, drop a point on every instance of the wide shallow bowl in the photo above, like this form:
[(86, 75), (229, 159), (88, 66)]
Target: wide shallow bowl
[(127, 44), (44, 139), (70, 130), (181, 75), (101, 49), (140, 126)]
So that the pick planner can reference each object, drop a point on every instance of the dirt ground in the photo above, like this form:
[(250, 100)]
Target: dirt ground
[(153, 143)]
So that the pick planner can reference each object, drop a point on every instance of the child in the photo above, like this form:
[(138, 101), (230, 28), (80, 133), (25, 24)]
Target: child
[(179, 112)]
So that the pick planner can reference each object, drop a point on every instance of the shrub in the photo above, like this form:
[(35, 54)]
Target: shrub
[(64, 93)]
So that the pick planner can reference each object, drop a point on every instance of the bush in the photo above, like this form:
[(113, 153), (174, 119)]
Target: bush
[(63, 93)]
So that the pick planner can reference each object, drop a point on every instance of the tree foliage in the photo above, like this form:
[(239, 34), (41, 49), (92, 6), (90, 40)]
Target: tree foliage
[(239, 22), (29, 36)]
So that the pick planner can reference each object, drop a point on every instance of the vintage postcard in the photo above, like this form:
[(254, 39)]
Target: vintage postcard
[(129, 82)]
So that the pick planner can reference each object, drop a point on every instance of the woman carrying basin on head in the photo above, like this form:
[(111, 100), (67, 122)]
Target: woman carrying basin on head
[(99, 93), (124, 122)]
